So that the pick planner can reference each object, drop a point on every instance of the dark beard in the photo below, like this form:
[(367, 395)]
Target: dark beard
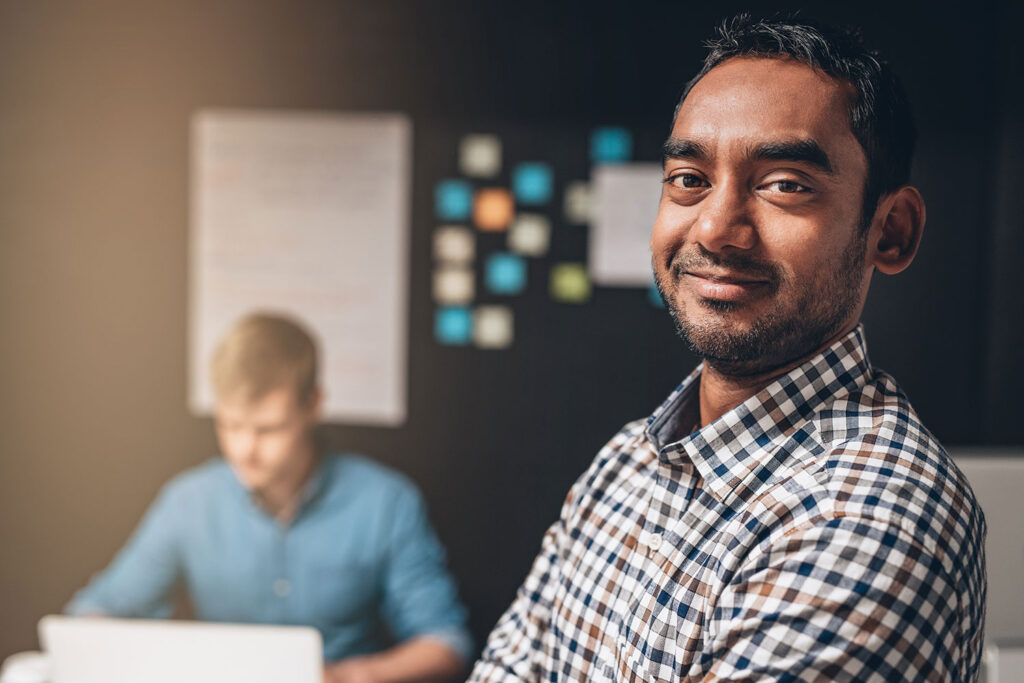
[(778, 337)]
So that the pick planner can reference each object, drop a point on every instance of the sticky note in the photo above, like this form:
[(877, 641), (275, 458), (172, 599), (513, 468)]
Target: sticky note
[(493, 327), (453, 285), (453, 325), (493, 209), (610, 145), (505, 273), (532, 182), (480, 156), (454, 244), (453, 200), (530, 234), (569, 283), (577, 202), (654, 296)]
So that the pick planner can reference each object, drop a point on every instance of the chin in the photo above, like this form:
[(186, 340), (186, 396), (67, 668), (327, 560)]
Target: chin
[(252, 480)]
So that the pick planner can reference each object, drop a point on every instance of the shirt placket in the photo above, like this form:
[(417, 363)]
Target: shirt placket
[(645, 616), (282, 585)]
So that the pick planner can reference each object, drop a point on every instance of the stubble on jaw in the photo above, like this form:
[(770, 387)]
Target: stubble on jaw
[(781, 335)]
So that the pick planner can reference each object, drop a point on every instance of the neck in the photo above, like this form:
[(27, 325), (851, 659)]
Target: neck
[(281, 498), (720, 392)]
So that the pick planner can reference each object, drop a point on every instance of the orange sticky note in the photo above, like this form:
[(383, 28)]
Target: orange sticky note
[(492, 209)]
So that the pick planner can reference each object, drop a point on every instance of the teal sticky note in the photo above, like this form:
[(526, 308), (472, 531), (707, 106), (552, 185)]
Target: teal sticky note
[(453, 325), (505, 273), (453, 200), (654, 296), (532, 182), (611, 145)]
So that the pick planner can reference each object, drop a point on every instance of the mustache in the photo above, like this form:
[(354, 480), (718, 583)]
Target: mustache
[(739, 264)]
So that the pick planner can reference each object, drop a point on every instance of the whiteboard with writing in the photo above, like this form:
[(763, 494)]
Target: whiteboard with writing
[(307, 214)]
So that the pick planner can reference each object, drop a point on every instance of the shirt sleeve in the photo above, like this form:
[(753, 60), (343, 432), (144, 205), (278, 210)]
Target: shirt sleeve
[(420, 598), (844, 599), (518, 640), (139, 580), (522, 641)]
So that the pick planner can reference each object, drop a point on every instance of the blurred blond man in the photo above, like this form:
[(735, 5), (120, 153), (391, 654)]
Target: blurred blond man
[(278, 531)]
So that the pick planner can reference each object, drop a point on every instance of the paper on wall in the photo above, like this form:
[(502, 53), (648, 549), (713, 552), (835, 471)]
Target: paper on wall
[(624, 202), (306, 213)]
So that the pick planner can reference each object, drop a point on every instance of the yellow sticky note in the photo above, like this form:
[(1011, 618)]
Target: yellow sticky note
[(570, 283)]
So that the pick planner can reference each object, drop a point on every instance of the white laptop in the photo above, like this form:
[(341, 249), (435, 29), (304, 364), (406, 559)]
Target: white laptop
[(103, 650)]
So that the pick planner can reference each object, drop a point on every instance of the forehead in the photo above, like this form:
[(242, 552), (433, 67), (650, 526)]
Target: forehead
[(748, 100), (268, 407)]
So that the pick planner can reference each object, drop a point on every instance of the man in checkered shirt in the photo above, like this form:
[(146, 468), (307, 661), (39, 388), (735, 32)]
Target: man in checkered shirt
[(784, 515)]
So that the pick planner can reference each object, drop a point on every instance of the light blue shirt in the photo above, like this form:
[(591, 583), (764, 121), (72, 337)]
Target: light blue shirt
[(360, 554)]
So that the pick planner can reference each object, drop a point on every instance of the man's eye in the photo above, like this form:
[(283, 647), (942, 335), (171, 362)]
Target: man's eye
[(788, 186), (686, 180)]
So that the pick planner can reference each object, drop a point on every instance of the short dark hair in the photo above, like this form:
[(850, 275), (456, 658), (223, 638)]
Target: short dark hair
[(880, 116)]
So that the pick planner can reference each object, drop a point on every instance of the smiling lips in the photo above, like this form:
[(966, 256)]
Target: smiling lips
[(725, 286)]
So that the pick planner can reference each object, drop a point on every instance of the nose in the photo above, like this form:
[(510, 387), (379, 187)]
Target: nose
[(724, 221)]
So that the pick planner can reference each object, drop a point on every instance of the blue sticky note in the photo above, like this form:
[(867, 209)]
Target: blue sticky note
[(654, 296), (453, 200), (505, 273), (532, 182), (611, 145), (453, 325)]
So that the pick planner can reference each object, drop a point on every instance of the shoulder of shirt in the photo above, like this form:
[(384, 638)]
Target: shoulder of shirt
[(879, 461), (352, 470), (208, 477), (623, 461)]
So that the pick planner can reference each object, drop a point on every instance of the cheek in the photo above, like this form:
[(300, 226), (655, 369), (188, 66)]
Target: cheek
[(229, 444), (668, 232), (277, 448)]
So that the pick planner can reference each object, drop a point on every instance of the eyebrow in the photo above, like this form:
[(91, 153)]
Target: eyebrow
[(806, 151), (677, 148)]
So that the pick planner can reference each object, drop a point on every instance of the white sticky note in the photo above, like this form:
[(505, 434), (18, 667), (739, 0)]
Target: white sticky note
[(453, 285), (480, 156), (577, 202), (625, 203), (530, 234), (492, 327), (454, 244)]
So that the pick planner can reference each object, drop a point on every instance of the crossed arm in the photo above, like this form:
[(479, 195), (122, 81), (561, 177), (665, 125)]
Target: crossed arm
[(841, 599)]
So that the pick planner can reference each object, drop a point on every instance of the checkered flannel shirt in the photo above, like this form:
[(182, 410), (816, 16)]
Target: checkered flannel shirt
[(816, 532)]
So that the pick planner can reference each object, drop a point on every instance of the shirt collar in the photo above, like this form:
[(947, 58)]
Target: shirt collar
[(768, 435), (309, 492)]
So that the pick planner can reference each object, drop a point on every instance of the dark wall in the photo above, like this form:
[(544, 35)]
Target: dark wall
[(94, 105)]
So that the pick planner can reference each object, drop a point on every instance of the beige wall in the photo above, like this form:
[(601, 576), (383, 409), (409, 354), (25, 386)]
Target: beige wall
[(94, 107)]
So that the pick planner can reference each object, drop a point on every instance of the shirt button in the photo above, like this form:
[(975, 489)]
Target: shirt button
[(282, 588), (654, 542)]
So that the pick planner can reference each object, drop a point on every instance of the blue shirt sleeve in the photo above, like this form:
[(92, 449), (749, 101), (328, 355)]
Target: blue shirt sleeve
[(139, 580), (420, 597)]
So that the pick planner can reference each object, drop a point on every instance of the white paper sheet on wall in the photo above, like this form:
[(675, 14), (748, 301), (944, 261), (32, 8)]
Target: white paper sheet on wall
[(308, 214), (624, 203)]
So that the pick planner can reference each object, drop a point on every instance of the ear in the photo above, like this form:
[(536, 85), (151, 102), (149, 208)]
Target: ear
[(896, 235), (314, 405)]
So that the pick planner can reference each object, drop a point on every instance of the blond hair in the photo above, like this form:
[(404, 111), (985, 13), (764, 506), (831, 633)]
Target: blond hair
[(263, 352)]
